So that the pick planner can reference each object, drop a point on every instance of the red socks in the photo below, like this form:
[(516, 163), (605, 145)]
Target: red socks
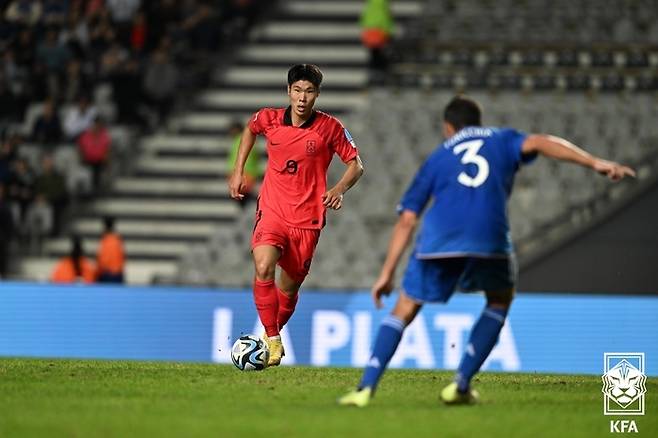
[(267, 303), (286, 307), (274, 307)]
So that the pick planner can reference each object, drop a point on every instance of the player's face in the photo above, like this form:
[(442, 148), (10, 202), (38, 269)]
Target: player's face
[(302, 96)]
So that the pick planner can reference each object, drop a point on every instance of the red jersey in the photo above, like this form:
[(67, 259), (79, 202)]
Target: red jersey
[(298, 159)]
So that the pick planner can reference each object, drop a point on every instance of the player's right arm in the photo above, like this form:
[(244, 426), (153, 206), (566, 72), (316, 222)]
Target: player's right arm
[(402, 233), (236, 183), (561, 149)]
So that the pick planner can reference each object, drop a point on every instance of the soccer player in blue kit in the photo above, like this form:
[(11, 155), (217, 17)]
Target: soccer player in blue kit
[(464, 241)]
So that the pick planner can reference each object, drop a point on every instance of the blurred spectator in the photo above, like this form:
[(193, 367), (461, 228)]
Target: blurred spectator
[(17, 78), (74, 268), (24, 12), (51, 184), (127, 91), (76, 82), (239, 15), (19, 62), (52, 54), (76, 35), (113, 59), (24, 47), (94, 8), (94, 145), (38, 221), (122, 13), (79, 118), (51, 59), (101, 37), (138, 33), (376, 29), (54, 12), (21, 186), (164, 16), (160, 83), (47, 131), (252, 168), (6, 232), (8, 155), (202, 26), (8, 104), (110, 259), (7, 30)]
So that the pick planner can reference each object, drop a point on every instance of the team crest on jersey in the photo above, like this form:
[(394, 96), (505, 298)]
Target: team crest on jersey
[(310, 147), (349, 138)]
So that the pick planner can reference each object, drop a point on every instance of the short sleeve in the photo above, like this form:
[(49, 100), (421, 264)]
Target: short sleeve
[(343, 143), (419, 191), (514, 139), (257, 123)]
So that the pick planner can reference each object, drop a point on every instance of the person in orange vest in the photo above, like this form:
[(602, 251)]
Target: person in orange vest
[(75, 267), (110, 259), (377, 27)]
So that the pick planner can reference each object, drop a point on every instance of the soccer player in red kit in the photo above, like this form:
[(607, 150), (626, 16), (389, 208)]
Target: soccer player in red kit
[(293, 199)]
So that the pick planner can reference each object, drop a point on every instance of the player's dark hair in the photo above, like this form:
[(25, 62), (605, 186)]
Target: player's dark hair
[(463, 111), (305, 72)]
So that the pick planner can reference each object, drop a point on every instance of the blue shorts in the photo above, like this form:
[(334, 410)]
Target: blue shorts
[(435, 280)]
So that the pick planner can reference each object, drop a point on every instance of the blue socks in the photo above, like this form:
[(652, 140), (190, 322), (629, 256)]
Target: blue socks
[(484, 336), (483, 339), (388, 338)]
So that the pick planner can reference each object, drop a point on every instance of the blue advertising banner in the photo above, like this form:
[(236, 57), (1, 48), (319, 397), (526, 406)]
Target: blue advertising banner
[(544, 332)]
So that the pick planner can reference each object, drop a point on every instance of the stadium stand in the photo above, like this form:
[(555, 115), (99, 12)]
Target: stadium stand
[(321, 32), (172, 203), (400, 123), (127, 58)]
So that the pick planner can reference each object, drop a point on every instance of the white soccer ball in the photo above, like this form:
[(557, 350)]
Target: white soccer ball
[(250, 353)]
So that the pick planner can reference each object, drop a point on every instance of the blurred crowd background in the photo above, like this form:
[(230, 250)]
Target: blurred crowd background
[(131, 110)]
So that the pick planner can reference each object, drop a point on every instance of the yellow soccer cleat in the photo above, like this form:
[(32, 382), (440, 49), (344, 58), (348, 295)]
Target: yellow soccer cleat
[(451, 396), (276, 351), (359, 398)]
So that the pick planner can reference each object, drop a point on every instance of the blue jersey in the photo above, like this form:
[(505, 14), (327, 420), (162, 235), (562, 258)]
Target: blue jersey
[(469, 177)]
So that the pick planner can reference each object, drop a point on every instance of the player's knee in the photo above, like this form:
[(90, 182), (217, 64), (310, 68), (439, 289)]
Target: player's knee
[(264, 270), (406, 309), (500, 298)]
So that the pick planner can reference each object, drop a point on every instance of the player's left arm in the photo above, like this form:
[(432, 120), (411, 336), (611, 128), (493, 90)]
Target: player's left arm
[(560, 149), (333, 198)]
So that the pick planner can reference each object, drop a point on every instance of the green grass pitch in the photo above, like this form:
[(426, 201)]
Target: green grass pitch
[(79, 398)]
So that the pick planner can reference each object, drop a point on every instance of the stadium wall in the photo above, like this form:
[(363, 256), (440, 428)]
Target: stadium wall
[(544, 333), (616, 256)]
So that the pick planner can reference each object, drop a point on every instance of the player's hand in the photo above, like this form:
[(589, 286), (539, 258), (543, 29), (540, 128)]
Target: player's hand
[(612, 170), (382, 287), (333, 199), (236, 186)]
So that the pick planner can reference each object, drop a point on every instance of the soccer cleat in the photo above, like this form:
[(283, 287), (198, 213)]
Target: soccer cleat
[(451, 396), (359, 398), (276, 351)]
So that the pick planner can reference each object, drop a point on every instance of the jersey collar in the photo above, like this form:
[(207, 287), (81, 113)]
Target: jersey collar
[(287, 118)]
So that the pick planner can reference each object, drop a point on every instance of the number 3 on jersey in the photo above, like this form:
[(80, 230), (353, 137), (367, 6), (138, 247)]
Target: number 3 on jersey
[(471, 157)]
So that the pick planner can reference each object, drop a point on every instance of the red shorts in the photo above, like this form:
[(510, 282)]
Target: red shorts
[(297, 245)]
